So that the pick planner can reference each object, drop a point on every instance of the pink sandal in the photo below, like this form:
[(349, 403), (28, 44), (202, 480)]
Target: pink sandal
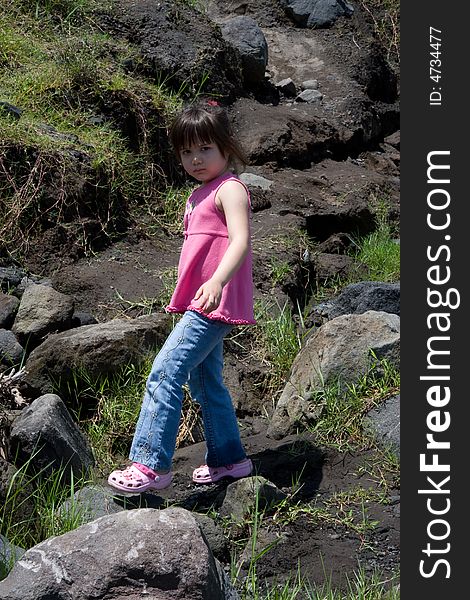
[(132, 479), (205, 474)]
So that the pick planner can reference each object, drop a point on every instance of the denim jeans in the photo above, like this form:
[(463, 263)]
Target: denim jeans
[(193, 353)]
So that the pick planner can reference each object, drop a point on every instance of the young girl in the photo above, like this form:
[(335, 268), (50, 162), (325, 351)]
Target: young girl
[(214, 292)]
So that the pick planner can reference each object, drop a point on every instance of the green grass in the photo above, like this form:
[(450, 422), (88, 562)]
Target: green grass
[(380, 254), (344, 407), (30, 512), (277, 340), (107, 408), (63, 76)]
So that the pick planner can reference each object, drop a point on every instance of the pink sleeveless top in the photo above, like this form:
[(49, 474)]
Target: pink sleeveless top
[(205, 243)]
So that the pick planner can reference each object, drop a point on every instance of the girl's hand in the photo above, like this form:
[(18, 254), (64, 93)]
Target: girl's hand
[(209, 295)]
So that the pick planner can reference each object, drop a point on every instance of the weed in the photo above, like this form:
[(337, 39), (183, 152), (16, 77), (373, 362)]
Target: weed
[(168, 278), (277, 341), (108, 407), (31, 509), (173, 203), (341, 423), (67, 149), (385, 15), (278, 271)]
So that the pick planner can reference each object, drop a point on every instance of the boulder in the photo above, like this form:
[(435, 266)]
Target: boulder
[(8, 307), (310, 84), (384, 423), (180, 46), (310, 96), (99, 349), (316, 13), (358, 298), (10, 277), (9, 554), (244, 495), (160, 553), (11, 350), (283, 135), (343, 350), (41, 311), (244, 34), (253, 180), (214, 534), (45, 436), (287, 87)]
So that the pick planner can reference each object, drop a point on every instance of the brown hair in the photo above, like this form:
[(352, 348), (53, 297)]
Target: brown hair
[(206, 122)]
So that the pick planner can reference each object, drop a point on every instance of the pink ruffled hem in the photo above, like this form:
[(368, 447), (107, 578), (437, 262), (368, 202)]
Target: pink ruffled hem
[(213, 316)]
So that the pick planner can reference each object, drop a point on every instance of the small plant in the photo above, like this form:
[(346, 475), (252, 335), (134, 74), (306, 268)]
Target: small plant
[(173, 203), (344, 407), (65, 9), (277, 340), (31, 511), (278, 272), (108, 407)]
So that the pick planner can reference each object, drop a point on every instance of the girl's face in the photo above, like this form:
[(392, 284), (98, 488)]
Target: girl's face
[(204, 162)]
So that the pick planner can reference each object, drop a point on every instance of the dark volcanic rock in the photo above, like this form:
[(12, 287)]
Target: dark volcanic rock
[(181, 47)]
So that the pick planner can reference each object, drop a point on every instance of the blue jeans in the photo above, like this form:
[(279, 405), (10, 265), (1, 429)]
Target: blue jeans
[(192, 353)]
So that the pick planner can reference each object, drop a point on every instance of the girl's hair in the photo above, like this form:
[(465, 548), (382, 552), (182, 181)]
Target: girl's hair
[(206, 122)]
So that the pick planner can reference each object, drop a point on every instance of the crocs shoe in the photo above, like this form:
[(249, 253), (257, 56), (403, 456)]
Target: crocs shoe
[(205, 474), (132, 479)]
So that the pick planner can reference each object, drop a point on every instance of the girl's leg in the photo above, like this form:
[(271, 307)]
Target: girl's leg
[(192, 339), (220, 422)]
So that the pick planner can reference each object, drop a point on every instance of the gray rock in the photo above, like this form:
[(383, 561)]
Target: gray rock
[(245, 35), (92, 502), (240, 497), (126, 555), (310, 84), (45, 435), (9, 554), (80, 319), (99, 349), (252, 180), (8, 307), (316, 13), (10, 277), (287, 87), (326, 12), (215, 537), (340, 350), (393, 139), (360, 297), (41, 311), (180, 46), (384, 423), (310, 96), (11, 350), (28, 280)]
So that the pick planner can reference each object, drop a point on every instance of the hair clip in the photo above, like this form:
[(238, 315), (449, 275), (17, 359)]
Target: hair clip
[(212, 103)]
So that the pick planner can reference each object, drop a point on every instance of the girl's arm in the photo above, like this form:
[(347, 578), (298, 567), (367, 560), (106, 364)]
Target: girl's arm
[(232, 199)]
